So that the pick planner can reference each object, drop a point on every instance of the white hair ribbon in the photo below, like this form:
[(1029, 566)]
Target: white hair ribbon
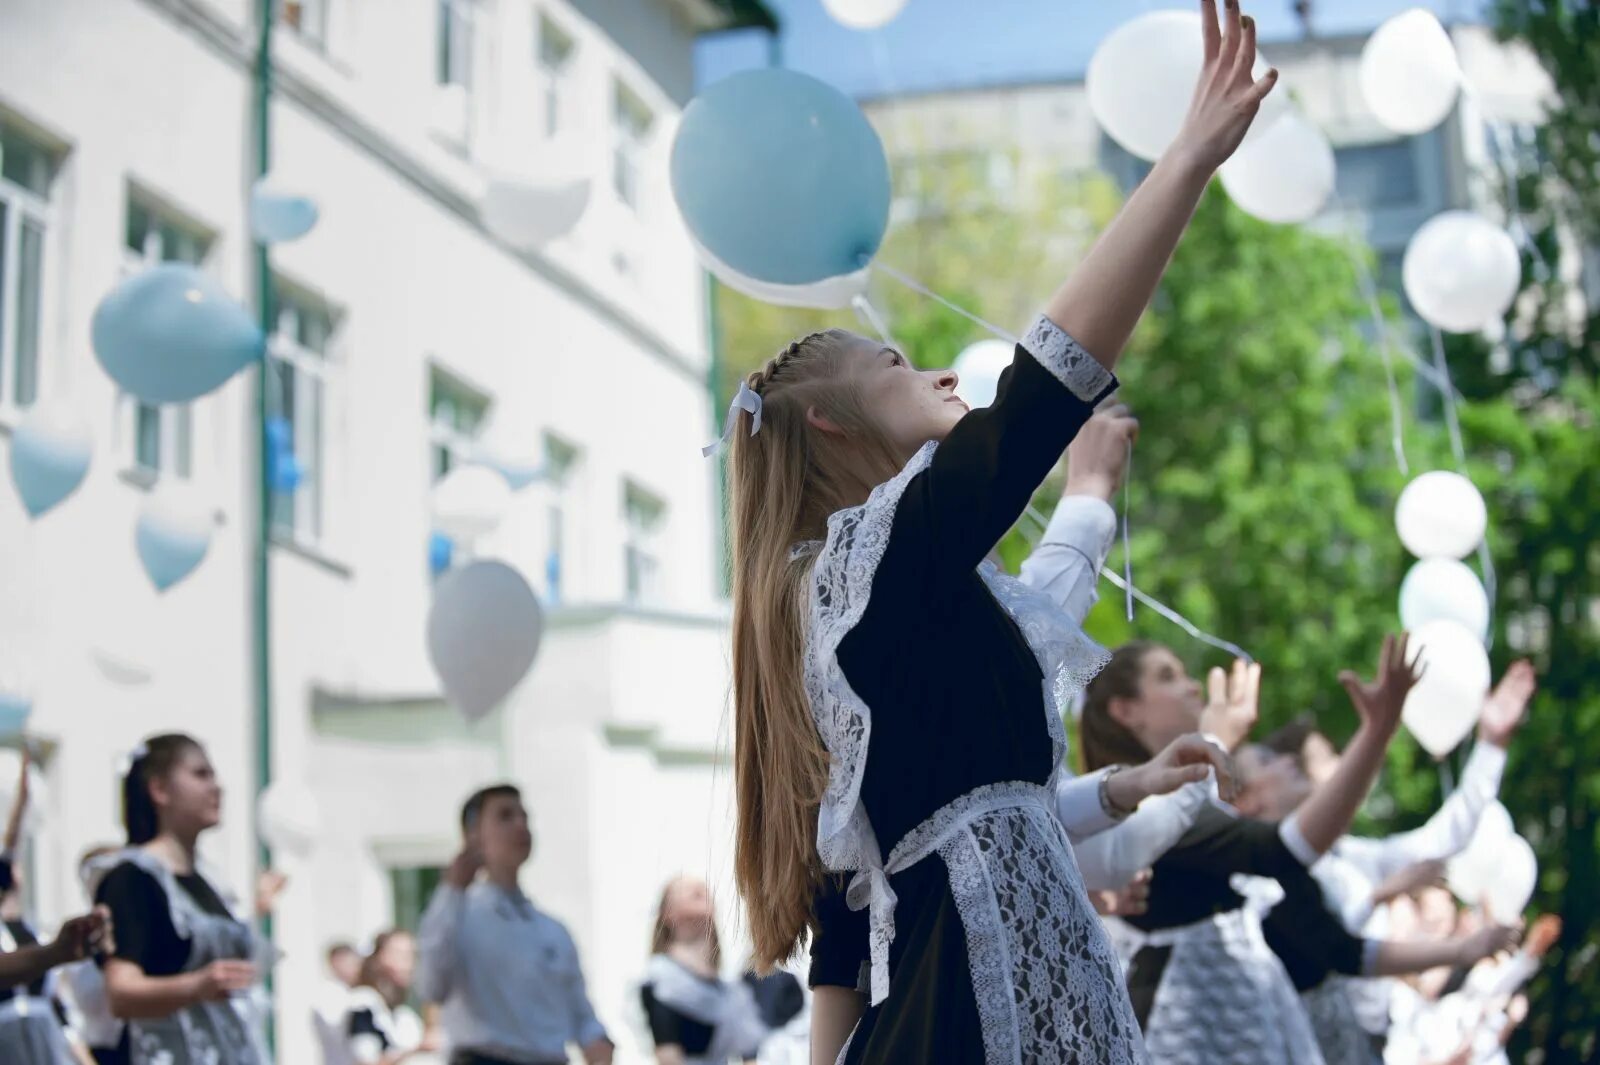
[(745, 400)]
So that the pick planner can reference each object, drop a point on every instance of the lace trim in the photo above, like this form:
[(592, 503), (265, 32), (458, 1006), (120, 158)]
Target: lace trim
[(1078, 371)]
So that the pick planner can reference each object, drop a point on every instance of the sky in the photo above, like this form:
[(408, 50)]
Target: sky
[(936, 44)]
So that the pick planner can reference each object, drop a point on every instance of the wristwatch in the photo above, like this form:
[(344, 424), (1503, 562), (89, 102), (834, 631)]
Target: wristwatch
[(1112, 810)]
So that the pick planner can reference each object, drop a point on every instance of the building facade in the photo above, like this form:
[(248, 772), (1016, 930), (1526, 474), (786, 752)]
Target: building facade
[(404, 331)]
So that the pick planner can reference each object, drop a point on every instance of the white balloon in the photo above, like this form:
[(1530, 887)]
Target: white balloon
[(528, 212), (829, 294), (1444, 589), (470, 501), (483, 633), (173, 532), (1142, 77), (1468, 872), (1461, 271), (1409, 72), (1516, 874), (516, 454), (1284, 175), (978, 370), (863, 14), (1441, 515), (289, 817), (1445, 704)]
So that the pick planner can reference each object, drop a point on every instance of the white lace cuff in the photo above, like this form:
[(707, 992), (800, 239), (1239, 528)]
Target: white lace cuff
[(1068, 362)]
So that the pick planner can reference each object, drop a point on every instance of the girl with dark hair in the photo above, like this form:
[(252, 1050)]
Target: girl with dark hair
[(381, 1029), (183, 974), (696, 1017)]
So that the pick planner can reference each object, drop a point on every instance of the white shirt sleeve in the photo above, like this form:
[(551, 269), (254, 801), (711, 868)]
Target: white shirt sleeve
[(1445, 834), (1078, 806), (1110, 859), (436, 944), (1345, 889), (1295, 840), (1066, 563)]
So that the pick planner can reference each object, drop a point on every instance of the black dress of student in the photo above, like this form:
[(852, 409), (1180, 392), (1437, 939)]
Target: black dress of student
[(169, 924), (937, 684)]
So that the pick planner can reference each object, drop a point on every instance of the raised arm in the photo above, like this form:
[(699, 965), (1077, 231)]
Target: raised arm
[(1326, 815), (19, 806), (1101, 302), (437, 931)]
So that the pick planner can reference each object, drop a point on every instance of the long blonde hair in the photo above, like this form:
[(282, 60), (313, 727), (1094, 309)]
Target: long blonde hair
[(785, 481), (661, 935)]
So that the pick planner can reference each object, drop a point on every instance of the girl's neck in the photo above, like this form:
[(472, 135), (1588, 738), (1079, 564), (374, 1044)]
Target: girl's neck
[(177, 851), (694, 954)]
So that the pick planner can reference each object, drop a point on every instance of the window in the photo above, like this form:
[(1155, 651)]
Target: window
[(560, 463), (298, 357), (27, 170), (160, 437), (1378, 175), (643, 515), (307, 18), (454, 60), (456, 414), (555, 57), (410, 888), (633, 119)]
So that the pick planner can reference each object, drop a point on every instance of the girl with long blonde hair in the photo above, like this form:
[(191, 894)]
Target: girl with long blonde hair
[(897, 702)]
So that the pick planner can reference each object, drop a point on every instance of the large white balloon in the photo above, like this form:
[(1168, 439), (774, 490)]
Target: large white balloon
[(1284, 175), (1445, 704), (470, 501), (483, 633), (1441, 515), (863, 14), (829, 294), (978, 369), (1142, 77), (1516, 874), (528, 212), (1461, 271), (1444, 589), (289, 817), (1409, 72)]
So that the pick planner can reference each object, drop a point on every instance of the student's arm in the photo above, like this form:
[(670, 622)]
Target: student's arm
[(437, 931), (835, 1011)]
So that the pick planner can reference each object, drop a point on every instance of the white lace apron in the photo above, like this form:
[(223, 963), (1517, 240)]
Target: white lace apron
[(1338, 1027), (1045, 978), (1224, 997), (207, 1033), (30, 1031), (726, 1007)]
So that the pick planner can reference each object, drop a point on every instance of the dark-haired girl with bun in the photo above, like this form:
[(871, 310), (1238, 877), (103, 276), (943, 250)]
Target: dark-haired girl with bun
[(182, 976)]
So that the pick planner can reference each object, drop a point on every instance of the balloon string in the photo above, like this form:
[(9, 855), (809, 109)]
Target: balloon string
[(870, 315), (916, 286), (1032, 513), (1369, 291), (1453, 422), (1127, 555)]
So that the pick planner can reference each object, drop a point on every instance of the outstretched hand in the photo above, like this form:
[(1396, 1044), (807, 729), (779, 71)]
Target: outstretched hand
[(1227, 96), (1186, 760), (1233, 702), (1378, 702), (1503, 709), (1097, 458)]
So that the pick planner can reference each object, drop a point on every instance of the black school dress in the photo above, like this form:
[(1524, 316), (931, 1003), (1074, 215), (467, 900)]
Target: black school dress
[(937, 684)]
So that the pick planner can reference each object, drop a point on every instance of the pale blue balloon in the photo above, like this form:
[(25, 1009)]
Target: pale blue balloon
[(170, 334), (277, 215), (14, 710), (171, 542), (781, 177), (50, 454)]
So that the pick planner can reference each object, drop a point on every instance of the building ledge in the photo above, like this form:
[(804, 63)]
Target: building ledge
[(721, 16)]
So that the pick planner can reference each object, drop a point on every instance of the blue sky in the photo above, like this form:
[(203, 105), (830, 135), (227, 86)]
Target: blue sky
[(942, 43)]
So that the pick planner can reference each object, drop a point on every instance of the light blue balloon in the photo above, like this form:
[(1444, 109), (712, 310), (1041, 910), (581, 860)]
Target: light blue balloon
[(277, 216), (49, 459), (14, 710), (171, 334), (781, 177), (168, 550)]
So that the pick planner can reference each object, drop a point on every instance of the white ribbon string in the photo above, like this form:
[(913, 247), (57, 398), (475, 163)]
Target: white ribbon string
[(1459, 451), (916, 286), (1127, 555), (744, 400), (869, 314)]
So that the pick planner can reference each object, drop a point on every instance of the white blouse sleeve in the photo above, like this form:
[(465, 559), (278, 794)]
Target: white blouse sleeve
[(1110, 859), (1066, 563), (1079, 808)]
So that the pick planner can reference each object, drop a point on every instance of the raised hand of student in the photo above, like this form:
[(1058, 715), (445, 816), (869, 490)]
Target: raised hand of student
[(1227, 96), (1486, 942), (1233, 702), (1504, 707), (1186, 760), (463, 868), (82, 936), (269, 885), (1097, 458), (1378, 702)]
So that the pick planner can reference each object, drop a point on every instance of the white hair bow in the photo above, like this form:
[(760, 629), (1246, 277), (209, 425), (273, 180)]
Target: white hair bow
[(745, 400)]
